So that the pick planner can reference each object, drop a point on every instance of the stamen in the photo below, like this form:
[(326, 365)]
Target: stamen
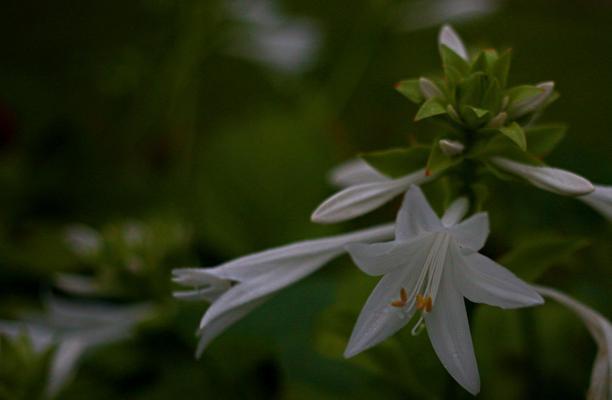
[(403, 299), (423, 303), (418, 328)]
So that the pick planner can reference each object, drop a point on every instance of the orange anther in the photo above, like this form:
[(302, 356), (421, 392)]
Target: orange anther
[(423, 303), (403, 299)]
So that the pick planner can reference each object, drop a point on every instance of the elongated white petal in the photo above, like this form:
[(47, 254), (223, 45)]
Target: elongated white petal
[(449, 333), (378, 320), (354, 172), (429, 89), (601, 200), (482, 280), (552, 179), (415, 216), (264, 284), (64, 364), (380, 258), (530, 104), (455, 212), (473, 232), (361, 199), (216, 327), (601, 329), (450, 39)]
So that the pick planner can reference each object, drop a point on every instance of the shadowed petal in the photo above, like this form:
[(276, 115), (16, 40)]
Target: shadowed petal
[(415, 216), (449, 333), (600, 200), (354, 172), (378, 320), (473, 232), (380, 258), (482, 280), (455, 212)]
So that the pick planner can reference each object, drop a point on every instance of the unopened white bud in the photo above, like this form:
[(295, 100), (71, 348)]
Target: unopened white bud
[(498, 121), (429, 89), (453, 113), (451, 147)]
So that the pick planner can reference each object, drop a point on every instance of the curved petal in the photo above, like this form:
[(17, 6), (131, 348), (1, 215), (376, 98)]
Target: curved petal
[(265, 284), (449, 333), (378, 320), (482, 280), (450, 39), (473, 232), (361, 199), (354, 172), (455, 212), (415, 216), (552, 179), (600, 200), (380, 258), (217, 326)]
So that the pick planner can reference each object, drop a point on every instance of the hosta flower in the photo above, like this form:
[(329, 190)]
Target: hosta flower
[(237, 287), (74, 328), (601, 200), (601, 330), (427, 270)]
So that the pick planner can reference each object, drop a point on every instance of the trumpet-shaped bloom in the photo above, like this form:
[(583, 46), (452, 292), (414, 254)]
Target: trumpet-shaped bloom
[(359, 199), (601, 330), (428, 269), (552, 179), (601, 200), (237, 287)]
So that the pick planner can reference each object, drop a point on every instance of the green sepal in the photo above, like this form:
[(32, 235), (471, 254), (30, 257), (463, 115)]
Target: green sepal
[(454, 66), (398, 162), (430, 108), (474, 117), (470, 91), (543, 139), (492, 96), (411, 89), (535, 255), (515, 133), (438, 161), (501, 68)]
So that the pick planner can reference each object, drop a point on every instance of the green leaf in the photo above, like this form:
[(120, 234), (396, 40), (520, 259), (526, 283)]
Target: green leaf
[(474, 117), (522, 92), (470, 91), (454, 66), (492, 97), (430, 108), (515, 133), (501, 68), (410, 88), (544, 138), (533, 256), (398, 162), (438, 161)]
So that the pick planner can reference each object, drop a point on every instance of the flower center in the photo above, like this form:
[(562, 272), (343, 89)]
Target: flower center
[(423, 295)]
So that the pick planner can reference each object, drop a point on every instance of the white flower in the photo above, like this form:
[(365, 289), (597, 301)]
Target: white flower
[(601, 330), (429, 268), (601, 200), (449, 38), (237, 287), (552, 179), (75, 328), (354, 172), (362, 198)]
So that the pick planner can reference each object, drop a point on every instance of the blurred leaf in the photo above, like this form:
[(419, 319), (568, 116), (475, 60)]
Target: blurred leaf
[(430, 108), (411, 89), (515, 133)]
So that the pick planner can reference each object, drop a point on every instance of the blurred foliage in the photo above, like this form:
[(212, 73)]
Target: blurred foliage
[(151, 113)]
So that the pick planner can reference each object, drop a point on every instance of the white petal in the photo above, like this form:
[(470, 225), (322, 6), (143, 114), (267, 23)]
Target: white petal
[(482, 280), (361, 199), (64, 364), (354, 172), (451, 147), (600, 200), (449, 333), (450, 39), (264, 284), (378, 320), (473, 232), (530, 104), (455, 212), (208, 286), (415, 216), (552, 179), (380, 258), (601, 329), (429, 89), (217, 326)]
